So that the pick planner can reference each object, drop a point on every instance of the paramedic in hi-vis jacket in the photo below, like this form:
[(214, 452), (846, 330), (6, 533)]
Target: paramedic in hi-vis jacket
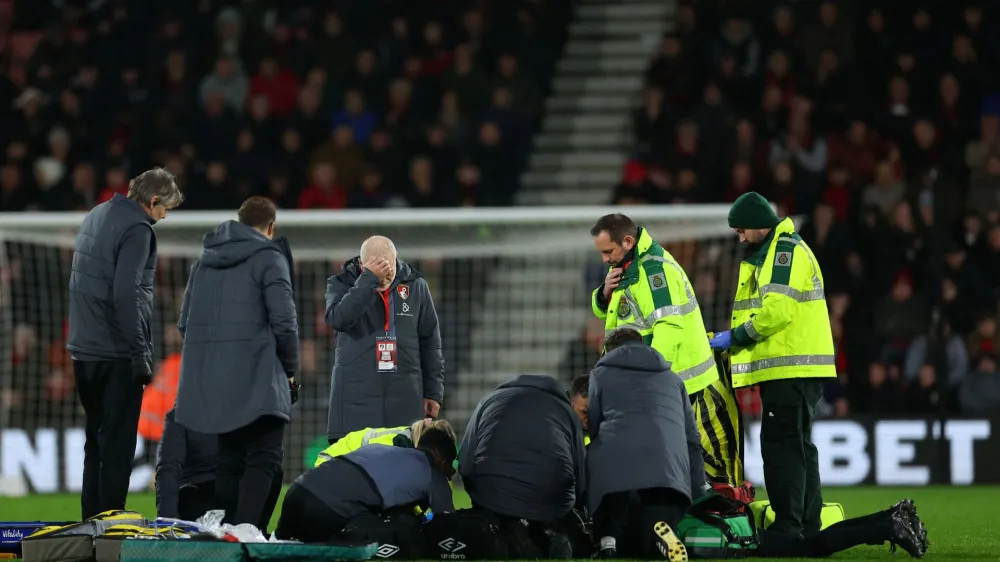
[(648, 291), (781, 341)]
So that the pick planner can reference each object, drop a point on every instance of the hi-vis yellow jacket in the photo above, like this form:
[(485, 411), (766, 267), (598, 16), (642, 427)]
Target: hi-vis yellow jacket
[(781, 326), (400, 436), (655, 298)]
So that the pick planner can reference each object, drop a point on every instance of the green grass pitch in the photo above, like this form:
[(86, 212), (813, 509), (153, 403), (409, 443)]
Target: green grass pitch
[(962, 522)]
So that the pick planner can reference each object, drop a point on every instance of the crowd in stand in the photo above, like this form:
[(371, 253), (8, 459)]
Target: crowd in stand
[(316, 104), (873, 120)]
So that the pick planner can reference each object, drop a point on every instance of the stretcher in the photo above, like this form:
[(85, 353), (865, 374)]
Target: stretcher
[(13, 532)]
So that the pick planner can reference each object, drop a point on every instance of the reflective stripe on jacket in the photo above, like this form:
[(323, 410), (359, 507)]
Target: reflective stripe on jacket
[(781, 326), (357, 439), (655, 297)]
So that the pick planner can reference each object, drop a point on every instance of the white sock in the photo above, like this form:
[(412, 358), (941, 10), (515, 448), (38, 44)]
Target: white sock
[(608, 542)]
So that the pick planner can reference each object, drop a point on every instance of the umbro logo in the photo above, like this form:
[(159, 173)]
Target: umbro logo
[(451, 547), (386, 551)]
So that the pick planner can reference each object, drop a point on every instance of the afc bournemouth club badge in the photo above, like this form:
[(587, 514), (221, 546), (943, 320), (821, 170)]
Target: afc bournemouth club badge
[(404, 291)]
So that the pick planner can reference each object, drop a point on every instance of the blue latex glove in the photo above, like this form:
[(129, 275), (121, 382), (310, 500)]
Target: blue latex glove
[(722, 340)]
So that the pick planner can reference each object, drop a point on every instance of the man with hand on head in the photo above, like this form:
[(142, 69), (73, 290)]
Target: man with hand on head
[(389, 368), (240, 354), (110, 306)]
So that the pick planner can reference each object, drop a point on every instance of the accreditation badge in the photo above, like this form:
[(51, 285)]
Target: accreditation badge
[(385, 354)]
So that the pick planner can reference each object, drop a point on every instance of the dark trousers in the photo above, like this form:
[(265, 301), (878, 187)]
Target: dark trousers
[(791, 462), (111, 400), (195, 500), (871, 529), (629, 517), (249, 459), (304, 517), (536, 540)]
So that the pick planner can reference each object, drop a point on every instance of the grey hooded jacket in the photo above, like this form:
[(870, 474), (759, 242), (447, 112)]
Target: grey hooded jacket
[(642, 429), (360, 395), (523, 455), (241, 334)]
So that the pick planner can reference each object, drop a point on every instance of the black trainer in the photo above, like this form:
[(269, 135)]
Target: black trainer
[(908, 509), (904, 536)]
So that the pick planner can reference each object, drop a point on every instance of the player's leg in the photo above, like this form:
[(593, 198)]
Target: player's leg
[(891, 525), (119, 433), (725, 419), (711, 438)]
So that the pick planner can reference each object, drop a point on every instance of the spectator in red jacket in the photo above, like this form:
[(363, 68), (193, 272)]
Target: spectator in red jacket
[(279, 85), (324, 192)]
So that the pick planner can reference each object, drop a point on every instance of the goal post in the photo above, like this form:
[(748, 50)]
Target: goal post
[(511, 287)]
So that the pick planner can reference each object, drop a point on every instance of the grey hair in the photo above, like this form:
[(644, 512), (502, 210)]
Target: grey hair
[(377, 246), (156, 182)]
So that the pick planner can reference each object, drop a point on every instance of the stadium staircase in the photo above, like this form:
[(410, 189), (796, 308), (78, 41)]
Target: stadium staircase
[(581, 147), (535, 306)]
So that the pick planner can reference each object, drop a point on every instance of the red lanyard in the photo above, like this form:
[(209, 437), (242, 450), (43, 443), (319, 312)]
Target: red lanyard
[(385, 300)]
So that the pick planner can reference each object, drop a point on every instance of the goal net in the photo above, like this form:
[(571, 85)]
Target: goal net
[(511, 287)]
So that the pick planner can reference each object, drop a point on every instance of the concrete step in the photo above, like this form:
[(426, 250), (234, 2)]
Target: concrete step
[(585, 123), (534, 360), (633, 48), (598, 85), (590, 66), (524, 338), (634, 11), (557, 180), (607, 141), (599, 27), (581, 160), (615, 2), (557, 294), (544, 295), (596, 195), (562, 270), (532, 326), (569, 103)]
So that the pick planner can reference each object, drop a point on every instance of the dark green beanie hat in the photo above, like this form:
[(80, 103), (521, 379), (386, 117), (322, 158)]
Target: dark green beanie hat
[(751, 210)]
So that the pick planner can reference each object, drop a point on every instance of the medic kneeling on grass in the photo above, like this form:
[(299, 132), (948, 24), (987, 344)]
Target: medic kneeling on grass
[(644, 459), (373, 479)]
